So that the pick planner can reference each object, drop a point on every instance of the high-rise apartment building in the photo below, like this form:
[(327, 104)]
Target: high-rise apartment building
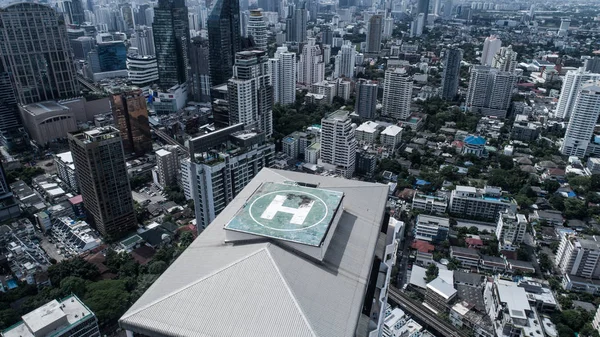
[(451, 74), (490, 91), (366, 98), (311, 68), (423, 7), (510, 230), (283, 76), (171, 40), (103, 180), (345, 60), (199, 80), (35, 50), (578, 256), (249, 92), (338, 142), (491, 46), (417, 25), (295, 23), (142, 71), (568, 93), (388, 27), (130, 116), (582, 120), (257, 30), (165, 173), (374, 30), (447, 15), (224, 38), (592, 65), (77, 12), (397, 93), (143, 40), (505, 59)]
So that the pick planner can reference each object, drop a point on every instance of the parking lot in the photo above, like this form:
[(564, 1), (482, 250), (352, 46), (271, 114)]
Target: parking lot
[(51, 249), (151, 193)]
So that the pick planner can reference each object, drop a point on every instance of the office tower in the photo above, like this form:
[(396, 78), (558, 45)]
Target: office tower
[(77, 13), (344, 61), (140, 15), (568, 93), (10, 119), (165, 174), (257, 30), (338, 142), (9, 208), (437, 6), (447, 10), (397, 94), (311, 68), (505, 59), (564, 27), (40, 64), (423, 7), (283, 76), (366, 98), (313, 10), (142, 71), (346, 3), (227, 160), (249, 92), (143, 40), (111, 56), (582, 121), (578, 256), (127, 14), (103, 180), (510, 230), (491, 46), (451, 74), (269, 5), (130, 116), (295, 24), (388, 27), (194, 21), (416, 26), (81, 46), (200, 70), (490, 91), (592, 65), (224, 39), (374, 30), (171, 42), (149, 13), (68, 318), (327, 35)]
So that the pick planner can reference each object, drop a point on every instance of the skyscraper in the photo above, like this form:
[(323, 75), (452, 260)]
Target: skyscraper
[(338, 142), (295, 24), (77, 12), (592, 65), (416, 26), (102, 175), (366, 98), (131, 118), (249, 92), (583, 119), (200, 70), (570, 88), (224, 39), (40, 64), (10, 118), (257, 29), (423, 7), (490, 91), (491, 46), (397, 94), (388, 27), (374, 30), (447, 10), (345, 61), (171, 40), (283, 76), (269, 5), (451, 73), (311, 68), (505, 59)]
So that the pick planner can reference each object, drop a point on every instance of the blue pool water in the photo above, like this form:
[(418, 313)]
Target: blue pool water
[(12, 284)]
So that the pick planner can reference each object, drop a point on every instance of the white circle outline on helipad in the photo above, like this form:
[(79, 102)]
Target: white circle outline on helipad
[(288, 230)]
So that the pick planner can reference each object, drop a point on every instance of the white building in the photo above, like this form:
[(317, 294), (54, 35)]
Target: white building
[(484, 203), (367, 132), (165, 173), (510, 230), (490, 91), (596, 321), (430, 203), (76, 237), (257, 29), (578, 256), (431, 228), (416, 26), (311, 68), (491, 46), (65, 169), (249, 92), (68, 318), (391, 136), (397, 93), (142, 71), (338, 142), (570, 88), (283, 76), (326, 88), (312, 154), (582, 121), (505, 59), (344, 61)]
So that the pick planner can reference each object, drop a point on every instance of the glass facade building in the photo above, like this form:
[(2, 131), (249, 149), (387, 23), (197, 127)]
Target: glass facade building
[(224, 38)]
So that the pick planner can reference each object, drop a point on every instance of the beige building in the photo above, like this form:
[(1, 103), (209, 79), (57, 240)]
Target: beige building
[(48, 121)]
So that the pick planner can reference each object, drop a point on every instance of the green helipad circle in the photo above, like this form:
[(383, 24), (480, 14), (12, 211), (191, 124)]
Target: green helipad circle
[(258, 206)]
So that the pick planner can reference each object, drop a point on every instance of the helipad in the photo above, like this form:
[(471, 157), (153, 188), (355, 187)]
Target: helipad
[(288, 212)]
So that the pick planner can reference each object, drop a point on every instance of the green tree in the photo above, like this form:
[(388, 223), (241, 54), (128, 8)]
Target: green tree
[(76, 267), (157, 267), (73, 285), (575, 208), (185, 239), (432, 272), (108, 299)]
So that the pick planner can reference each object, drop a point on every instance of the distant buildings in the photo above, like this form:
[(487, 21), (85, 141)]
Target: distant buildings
[(451, 74), (366, 98), (295, 23), (283, 76), (199, 70), (224, 37), (374, 30), (578, 256), (417, 25), (257, 29), (68, 318), (130, 116), (490, 91), (572, 83), (397, 94), (580, 129), (311, 68), (505, 59), (486, 203), (345, 61), (338, 142), (491, 46), (102, 176)]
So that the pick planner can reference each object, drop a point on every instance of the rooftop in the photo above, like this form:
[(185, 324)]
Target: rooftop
[(213, 281), (515, 298), (368, 126), (392, 130), (41, 108), (442, 288)]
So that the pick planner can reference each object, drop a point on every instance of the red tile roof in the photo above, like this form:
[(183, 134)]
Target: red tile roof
[(422, 246)]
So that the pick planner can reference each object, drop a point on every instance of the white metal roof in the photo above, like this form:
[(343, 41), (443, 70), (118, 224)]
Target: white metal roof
[(392, 130), (417, 277), (515, 298), (269, 290), (446, 290)]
